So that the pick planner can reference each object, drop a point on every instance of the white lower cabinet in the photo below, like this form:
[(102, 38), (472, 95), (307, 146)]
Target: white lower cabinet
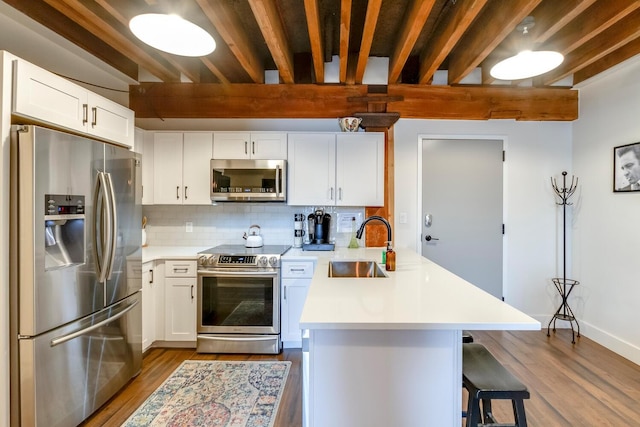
[(152, 303), (296, 278), (180, 300), (149, 307)]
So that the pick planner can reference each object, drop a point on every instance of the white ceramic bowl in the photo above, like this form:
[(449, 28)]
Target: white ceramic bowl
[(349, 124)]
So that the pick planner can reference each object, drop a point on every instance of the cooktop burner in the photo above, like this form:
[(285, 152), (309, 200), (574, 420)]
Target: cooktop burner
[(242, 250), (235, 256)]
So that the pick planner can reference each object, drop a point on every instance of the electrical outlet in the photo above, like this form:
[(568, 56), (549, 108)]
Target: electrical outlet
[(189, 227), (403, 217)]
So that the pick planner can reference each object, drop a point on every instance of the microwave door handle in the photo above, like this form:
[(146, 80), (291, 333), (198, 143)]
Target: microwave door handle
[(114, 225), (278, 174)]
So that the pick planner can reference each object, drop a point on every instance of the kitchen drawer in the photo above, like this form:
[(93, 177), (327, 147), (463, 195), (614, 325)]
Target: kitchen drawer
[(180, 268), (297, 269)]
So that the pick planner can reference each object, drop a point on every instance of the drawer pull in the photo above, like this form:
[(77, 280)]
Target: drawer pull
[(180, 270)]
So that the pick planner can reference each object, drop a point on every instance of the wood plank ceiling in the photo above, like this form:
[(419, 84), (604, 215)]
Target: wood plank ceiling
[(439, 54)]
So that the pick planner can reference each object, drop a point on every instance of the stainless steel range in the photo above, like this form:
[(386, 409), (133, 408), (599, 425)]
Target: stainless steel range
[(239, 299)]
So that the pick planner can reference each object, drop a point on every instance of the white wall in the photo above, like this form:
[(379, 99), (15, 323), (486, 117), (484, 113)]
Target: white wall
[(607, 226), (535, 151)]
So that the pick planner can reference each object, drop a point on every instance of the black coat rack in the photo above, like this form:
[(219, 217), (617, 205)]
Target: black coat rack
[(562, 284)]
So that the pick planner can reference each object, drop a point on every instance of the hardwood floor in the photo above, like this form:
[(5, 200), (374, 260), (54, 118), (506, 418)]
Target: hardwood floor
[(571, 385)]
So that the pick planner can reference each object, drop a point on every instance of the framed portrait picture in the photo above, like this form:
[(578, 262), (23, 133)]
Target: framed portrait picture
[(626, 168)]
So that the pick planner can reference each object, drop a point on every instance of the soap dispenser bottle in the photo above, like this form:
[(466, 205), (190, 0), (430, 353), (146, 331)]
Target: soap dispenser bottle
[(390, 260), (353, 243)]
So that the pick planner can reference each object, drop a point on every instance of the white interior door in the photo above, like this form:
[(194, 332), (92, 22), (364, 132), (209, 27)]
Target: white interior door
[(461, 222)]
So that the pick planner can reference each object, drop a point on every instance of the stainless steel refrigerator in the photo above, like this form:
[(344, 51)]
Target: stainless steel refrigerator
[(76, 315)]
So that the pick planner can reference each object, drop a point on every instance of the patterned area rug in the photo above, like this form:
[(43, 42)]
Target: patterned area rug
[(216, 394)]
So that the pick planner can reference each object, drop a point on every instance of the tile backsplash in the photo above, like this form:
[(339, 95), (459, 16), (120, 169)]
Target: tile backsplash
[(225, 223)]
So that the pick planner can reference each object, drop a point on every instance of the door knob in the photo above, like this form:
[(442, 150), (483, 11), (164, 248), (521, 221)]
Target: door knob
[(428, 238)]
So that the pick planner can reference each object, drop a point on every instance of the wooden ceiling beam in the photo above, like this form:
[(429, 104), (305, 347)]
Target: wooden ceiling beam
[(497, 20), (614, 58), (345, 33), (607, 42), (447, 33), (80, 13), (312, 13), (411, 28), (228, 25), (268, 18), (599, 17), (167, 100), (370, 22), (65, 27)]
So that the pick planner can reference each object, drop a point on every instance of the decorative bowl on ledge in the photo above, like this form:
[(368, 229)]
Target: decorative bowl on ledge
[(349, 124)]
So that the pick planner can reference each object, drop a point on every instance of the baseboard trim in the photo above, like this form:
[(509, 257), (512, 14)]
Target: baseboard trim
[(617, 345)]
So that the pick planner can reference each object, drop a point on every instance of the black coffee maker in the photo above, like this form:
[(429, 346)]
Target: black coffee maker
[(319, 226)]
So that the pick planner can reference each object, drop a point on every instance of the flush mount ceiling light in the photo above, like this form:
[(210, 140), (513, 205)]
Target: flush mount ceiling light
[(527, 63), (172, 34)]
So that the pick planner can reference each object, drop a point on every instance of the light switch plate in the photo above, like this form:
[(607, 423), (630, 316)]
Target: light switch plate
[(189, 227)]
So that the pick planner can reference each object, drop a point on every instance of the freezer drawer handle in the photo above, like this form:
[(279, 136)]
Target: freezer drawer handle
[(265, 338), (69, 337)]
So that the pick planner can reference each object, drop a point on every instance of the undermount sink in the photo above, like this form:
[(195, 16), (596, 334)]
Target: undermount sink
[(359, 269)]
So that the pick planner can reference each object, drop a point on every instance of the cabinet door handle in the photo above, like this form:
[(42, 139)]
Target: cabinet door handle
[(285, 293), (94, 115), (331, 197), (178, 192), (191, 291), (85, 114), (340, 193), (151, 280), (185, 192), (253, 147), (245, 147)]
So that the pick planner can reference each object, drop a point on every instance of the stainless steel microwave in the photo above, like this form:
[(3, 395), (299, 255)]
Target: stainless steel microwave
[(248, 180)]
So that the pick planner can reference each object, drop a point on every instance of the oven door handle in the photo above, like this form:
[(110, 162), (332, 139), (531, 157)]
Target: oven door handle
[(236, 273), (265, 338)]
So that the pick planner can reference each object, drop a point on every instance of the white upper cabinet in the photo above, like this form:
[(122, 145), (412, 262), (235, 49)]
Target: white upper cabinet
[(250, 145), (144, 145), (312, 169), (45, 97), (181, 168), (360, 169), (345, 169)]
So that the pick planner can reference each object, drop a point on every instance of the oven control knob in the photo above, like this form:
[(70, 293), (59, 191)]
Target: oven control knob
[(273, 261), (202, 260), (211, 260), (262, 261)]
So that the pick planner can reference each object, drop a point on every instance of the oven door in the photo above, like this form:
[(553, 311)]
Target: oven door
[(239, 301)]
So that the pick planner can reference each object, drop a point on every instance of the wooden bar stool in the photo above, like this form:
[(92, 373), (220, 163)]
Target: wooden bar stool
[(486, 379)]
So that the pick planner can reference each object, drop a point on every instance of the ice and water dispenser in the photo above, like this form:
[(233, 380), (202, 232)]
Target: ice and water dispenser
[(64, 230)]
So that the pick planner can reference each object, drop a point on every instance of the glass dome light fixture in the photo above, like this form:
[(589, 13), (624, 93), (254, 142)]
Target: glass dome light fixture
[(172, 34), (526, 63)]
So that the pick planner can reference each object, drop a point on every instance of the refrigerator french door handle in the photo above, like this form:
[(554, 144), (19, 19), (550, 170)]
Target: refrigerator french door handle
[(114, 225), (99, 253), (76, 334)]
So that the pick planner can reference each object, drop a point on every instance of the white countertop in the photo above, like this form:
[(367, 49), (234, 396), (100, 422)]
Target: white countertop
[(418, 295), (152, 253)]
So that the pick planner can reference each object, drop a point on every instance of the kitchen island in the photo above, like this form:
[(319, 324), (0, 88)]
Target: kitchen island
[(388, 351)]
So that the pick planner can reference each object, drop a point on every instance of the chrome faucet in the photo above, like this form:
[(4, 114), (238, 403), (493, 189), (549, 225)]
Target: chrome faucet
[(379, 218)]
